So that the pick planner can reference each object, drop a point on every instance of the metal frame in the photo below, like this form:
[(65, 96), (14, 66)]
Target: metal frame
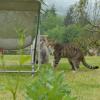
[(33, 52)]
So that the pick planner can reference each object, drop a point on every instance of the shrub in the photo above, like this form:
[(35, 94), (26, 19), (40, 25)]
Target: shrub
[(49, 85)]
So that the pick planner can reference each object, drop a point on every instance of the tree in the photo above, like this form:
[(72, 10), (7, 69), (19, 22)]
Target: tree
[(52, 24), (72, 32), (53, 10), (57, 33), (80, 12), (69, 16), (87, 15), (94, 22), (48, 19)]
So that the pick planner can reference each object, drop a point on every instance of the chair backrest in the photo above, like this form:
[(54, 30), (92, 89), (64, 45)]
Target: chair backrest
[(18, 18)]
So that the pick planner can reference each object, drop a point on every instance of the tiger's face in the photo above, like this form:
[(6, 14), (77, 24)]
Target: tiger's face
[(57, 50), (56, 53)]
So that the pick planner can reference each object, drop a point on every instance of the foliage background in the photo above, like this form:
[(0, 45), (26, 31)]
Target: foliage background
[(80, 25)]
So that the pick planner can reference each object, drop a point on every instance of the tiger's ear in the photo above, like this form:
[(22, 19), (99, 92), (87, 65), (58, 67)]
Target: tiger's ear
[(52, 44)]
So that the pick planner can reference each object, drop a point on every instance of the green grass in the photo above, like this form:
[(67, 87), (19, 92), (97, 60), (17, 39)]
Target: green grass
[(84, 84)]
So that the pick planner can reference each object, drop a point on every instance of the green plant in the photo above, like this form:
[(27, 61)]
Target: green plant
[(21, 41), (13, 89), (21, 37), (11, 86), (2, 59), (49, 85)]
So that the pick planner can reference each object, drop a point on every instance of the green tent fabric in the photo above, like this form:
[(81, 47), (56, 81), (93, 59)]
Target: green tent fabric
[(18, 15)]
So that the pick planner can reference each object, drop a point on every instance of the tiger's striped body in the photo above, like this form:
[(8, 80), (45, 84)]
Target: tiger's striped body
[(74, 55)]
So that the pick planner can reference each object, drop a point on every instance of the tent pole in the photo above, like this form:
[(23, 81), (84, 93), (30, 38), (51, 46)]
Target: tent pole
[(37, 45), (32, 60), (39, 60)]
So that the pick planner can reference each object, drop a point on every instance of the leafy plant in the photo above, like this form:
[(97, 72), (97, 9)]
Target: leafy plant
[(49, 86), (2, 59), (21, 37), (21, 41), (11, 86), (13, 89)]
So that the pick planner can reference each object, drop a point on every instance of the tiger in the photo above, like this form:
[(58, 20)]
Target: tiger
[(73, 53)]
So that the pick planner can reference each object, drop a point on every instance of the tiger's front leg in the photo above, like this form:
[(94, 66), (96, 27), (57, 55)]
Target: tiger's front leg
[(56, 61)]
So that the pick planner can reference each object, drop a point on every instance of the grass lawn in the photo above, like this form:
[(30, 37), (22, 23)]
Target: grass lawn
[(84, 84)]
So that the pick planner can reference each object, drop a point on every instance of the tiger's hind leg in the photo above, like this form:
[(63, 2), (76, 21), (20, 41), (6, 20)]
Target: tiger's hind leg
[(77, 63), (74, 63), (71, 64)]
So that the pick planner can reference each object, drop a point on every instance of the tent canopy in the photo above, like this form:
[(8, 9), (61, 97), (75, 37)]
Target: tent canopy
[(17, 18)]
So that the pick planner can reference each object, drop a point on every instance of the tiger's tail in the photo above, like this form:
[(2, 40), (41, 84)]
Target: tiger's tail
[(89, 66)]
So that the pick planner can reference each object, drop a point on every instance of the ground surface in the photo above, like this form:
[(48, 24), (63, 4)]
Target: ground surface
[(84, 84)]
